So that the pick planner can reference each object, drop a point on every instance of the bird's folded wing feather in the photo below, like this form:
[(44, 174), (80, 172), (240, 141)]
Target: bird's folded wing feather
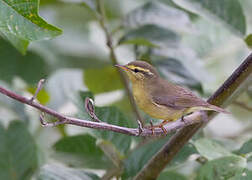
[(180, 98)]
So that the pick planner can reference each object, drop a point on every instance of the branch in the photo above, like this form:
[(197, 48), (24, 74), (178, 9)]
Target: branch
[(170, 127), (100, 8), (231, 88)]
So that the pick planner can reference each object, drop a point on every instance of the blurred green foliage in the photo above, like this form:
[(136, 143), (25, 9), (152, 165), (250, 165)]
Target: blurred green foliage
[(193, 43)]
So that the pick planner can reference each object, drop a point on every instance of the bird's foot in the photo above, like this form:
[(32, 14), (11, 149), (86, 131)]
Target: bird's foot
[(161, 126)]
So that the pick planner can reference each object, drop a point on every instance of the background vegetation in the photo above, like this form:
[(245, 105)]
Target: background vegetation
[(194, 43)]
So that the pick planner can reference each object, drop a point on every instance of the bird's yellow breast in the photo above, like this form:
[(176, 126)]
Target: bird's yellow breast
[(145, 102)]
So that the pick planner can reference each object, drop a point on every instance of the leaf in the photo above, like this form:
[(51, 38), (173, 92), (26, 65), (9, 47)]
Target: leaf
[(20, 23), (112, 115), (227, 12), (245, 174), (31, 67), (90, 4), (160, 14), (62, 86), (175, 71), (81, 150), (248, 40), (102, 80), (150, 35), (60, 172), (183, 154), (171, 175), (245, 150), (17, 107), (140, 156), (18, 152), (222, 168), (210, 149), (43, 96)]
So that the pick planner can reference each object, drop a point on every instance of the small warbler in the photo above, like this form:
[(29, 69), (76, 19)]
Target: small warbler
[(160, 98)]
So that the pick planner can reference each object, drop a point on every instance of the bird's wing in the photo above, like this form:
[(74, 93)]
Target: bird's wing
[(177, 97)]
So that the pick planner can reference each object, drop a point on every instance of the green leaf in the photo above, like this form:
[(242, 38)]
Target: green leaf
[(227, 12), (173, 70), (222, 168), (18, 152), (183, 155), (171, 175), (31, 67), (158, 13), (20, 23), (150, 35), (59, 172), (246, 150), (43, 96), (210, 149), (245, 174), (139, 157), (102, 80), (112, 115), (90, 4), (81, 150), (248, 40)]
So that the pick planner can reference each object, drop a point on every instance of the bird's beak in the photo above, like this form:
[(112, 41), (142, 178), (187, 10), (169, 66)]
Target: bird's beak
[(122, 67)]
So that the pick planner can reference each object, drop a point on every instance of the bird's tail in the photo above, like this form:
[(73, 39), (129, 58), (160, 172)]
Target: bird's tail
[(218, 109)]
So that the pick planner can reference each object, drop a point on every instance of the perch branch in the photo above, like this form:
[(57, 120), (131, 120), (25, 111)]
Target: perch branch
[(230, 89), (170, 127), (101, 18)]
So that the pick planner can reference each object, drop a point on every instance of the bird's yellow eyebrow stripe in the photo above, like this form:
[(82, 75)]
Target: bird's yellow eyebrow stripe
[(139, 68)]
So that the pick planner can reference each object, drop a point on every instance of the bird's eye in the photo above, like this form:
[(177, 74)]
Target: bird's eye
[(136, 70)]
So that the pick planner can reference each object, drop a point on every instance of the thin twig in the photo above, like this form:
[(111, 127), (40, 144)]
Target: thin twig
[(101, 18), (39, 87), (170, 127), (234, 85)]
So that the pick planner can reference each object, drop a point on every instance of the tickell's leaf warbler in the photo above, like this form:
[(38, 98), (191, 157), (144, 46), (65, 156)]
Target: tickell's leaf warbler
[(160, 98)]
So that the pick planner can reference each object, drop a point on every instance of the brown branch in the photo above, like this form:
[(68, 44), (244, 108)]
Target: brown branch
[(170, 127), (231, 88), (101, 18)]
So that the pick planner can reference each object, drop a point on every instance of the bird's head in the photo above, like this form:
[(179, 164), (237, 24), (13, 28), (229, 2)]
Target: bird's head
[(139, 71)]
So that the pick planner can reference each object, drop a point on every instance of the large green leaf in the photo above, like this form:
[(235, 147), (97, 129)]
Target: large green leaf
[(81, 150), (102, 80), (139, 157), (173, 70), (112, 115), (211, 149), (227, 12), (155, 12), (222, 168), (31, 67), (60, 172), (245, 174), (150, 35), (18, 152), (246, 150), (20, 23)]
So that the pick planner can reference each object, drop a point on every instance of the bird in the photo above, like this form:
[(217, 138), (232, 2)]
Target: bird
[(160, 98)]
